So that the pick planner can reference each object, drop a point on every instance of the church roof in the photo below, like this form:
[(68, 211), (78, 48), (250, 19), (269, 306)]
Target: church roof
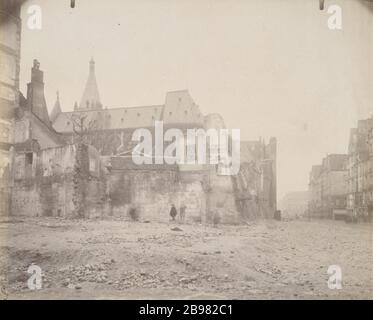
[(179, 108)]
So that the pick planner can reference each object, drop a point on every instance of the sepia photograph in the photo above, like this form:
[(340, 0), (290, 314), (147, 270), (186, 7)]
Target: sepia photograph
[(194, 150)]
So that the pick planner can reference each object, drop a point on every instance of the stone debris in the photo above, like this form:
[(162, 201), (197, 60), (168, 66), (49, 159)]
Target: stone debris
[(86, 273), (154, 260), (176, 229)]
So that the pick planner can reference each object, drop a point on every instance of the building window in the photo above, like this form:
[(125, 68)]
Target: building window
[(122, 120), (138, 114), (29, 158), (170, 113), (185, 112), (68, 123)]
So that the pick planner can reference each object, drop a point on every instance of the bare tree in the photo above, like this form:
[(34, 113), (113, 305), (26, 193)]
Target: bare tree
[(82, 127)]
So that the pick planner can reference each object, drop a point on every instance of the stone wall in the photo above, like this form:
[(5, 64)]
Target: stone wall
[(10, 45), (151, 190), (255, 185), (221, 199), (52, 182)]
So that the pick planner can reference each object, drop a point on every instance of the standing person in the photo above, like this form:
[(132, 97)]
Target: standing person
[(216, 218), (182, 211), (173, 212)]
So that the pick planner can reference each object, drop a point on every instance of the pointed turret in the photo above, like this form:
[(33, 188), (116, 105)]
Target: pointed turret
[(56, 109), (91, 98)]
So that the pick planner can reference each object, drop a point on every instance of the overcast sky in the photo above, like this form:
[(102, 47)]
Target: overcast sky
[(269, 67)]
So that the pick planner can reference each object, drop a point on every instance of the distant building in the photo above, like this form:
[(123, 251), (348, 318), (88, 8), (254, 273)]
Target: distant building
[(294, 204), (328, 186), (360, 168), (314, 191)]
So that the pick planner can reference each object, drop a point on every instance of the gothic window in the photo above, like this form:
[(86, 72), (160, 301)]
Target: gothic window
[(87, 104), (29, 158), (170, 113)]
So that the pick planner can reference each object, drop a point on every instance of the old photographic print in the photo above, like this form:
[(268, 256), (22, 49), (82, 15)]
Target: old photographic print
[(189, 150)]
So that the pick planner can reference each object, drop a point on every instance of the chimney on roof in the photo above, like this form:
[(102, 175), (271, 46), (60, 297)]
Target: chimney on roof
[(35, 94)]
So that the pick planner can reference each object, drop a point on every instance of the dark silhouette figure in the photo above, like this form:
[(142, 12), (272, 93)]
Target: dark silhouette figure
[(173, 212), (182, 212)]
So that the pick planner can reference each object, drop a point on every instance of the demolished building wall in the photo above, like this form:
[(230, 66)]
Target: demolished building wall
[(151, 189), (10, 47), (58, 182)]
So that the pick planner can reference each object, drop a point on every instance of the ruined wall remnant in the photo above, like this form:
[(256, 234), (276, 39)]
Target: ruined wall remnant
[(151, 189), (64, 181), (10, 45), (255, 185)]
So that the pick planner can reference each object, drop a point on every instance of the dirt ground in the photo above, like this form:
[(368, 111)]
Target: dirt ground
[(114, 259)]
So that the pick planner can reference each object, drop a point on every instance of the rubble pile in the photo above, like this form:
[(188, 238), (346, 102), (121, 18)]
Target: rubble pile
[(73, 275)]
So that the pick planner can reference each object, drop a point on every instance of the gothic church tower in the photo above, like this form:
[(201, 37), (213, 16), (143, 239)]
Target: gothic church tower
[(91, 97)]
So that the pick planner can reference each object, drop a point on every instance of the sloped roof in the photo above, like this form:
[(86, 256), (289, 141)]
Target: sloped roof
[(180, 108), (174, 111)]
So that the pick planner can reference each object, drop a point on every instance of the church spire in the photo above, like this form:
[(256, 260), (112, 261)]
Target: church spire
[(92, 66), (91, 97), (56, 108)]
